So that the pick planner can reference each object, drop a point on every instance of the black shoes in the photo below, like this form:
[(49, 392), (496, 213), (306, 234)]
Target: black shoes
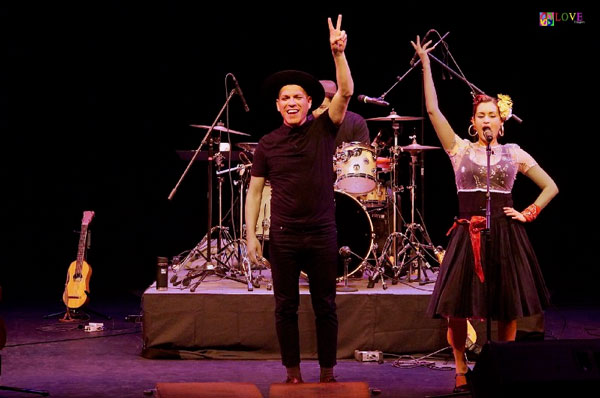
[(327, 379), (464, 387), (294, 380)]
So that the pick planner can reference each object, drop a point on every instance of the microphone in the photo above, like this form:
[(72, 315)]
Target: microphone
[(345, 251), (239, 91), (488, 134), (416, 56), (375, 101)]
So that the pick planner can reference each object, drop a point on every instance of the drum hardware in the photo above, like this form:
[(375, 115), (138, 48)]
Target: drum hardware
[(208, 138), (388, 165), (228, 260), (245, 262), (410, 241), (402, 251), (248, 146)]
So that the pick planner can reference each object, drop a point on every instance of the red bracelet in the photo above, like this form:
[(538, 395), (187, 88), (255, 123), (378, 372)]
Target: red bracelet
[(531, 212)]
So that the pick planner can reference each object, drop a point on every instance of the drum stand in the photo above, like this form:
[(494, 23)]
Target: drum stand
[(411, 243), (392, 239), (243, 258), (219, 264), (411, 250)]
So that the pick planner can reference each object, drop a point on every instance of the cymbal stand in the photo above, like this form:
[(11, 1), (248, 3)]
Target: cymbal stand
[(412, 242), (219, 162), (392, 239), (240, 244), (207, 136), (395, 189)]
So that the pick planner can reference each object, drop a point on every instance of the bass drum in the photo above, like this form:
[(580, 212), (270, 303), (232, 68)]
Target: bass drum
[(355, 230)]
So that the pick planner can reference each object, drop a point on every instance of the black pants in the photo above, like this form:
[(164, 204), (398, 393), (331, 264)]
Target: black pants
[(313, 251)]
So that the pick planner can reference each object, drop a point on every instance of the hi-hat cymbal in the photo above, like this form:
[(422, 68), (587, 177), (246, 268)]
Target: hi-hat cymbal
[(394, 116), (248, 146), (220, 128), (414, 147)]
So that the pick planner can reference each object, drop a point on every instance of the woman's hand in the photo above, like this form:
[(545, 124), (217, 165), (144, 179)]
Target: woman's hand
[(422, 50), (514, 214)]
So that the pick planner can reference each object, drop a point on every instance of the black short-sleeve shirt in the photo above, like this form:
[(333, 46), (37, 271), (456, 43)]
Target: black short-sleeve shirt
[(298, 163)]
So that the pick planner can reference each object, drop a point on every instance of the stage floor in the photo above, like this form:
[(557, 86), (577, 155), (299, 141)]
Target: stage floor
[(67, 361)]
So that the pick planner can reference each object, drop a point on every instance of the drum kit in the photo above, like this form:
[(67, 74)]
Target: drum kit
[(367, 214)]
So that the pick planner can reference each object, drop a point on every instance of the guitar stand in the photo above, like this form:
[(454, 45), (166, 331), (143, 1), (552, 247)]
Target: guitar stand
[(76, 314)]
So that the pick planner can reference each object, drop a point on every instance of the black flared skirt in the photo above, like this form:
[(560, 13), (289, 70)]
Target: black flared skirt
[(513, 275)]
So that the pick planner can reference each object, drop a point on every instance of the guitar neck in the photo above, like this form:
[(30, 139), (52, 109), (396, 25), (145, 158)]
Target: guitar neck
[(81, 247)]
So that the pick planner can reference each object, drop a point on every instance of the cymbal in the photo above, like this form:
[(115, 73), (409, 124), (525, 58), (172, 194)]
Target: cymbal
[(247, 146), (394, 116), (220, 128), (414, 147)]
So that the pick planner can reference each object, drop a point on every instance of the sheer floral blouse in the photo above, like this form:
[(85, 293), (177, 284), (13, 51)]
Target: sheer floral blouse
[(470, 165)]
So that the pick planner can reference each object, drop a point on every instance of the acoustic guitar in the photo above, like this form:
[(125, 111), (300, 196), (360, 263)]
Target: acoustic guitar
[(77, 286)]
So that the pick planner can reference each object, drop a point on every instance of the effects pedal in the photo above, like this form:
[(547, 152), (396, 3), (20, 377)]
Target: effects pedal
[(368, 356)]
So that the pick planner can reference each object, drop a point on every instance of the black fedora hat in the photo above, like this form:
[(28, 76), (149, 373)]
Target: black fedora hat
[(277, 80)]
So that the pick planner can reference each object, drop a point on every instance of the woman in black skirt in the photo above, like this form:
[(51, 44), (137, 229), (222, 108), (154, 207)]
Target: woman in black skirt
[(514, 276)]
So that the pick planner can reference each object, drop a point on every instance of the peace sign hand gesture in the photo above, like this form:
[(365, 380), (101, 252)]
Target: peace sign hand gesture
[(337, 37)]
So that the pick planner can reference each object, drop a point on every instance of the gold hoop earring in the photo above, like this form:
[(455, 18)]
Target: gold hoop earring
[(501, 131), (473, 129)]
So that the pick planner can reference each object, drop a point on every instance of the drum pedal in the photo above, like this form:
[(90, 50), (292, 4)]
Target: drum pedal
[(368, 356)]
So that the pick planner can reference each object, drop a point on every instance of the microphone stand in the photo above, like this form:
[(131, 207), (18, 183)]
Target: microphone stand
[(488, 241), (400, 78), (208, 264), (473, 87), (345, 252)]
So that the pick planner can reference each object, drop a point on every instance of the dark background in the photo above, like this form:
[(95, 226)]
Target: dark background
[(98, 98)]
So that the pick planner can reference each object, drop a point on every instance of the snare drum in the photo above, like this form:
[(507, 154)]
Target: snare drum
[(355, 168), (376, 198)]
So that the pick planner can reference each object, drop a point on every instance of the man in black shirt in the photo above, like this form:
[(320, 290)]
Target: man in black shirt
[(353, 128), (297, 158)]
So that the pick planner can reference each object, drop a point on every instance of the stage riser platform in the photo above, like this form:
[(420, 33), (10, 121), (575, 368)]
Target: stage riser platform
[(221, 319)]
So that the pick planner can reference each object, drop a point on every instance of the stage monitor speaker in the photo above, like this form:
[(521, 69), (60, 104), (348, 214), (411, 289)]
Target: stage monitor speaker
[(207, 390), (352, 389), (538, 369)]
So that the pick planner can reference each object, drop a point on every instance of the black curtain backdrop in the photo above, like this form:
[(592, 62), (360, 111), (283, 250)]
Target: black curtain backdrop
[(97, 98)]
